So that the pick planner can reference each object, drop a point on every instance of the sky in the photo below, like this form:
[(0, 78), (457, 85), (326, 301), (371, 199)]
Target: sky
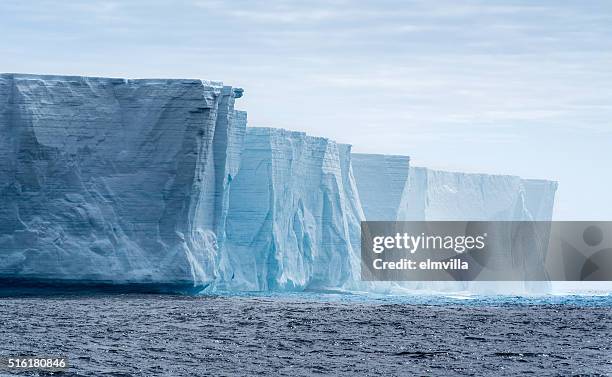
[(502, 87)]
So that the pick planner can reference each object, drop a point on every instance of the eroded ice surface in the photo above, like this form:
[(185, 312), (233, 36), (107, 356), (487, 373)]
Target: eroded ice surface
[(292, 212), (158, 182), (115, 180)]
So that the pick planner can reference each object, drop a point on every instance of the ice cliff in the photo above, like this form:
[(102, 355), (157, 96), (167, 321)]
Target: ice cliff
[(440, 195), (159, 183), (418, 194), (293, 209), (390, 189), (381, 180), (539, 198), (113, 180)]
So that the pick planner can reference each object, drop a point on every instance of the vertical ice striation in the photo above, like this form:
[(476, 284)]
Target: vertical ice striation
[(354, 211), (441, 195), (539, 198), (159, 182), (434, 195), (114, 180), (291, 217), (225, 175), (391, 190), (381, 180)]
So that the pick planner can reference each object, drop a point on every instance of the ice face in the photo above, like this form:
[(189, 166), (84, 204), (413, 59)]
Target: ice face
[(440, 195), (292, 214), (434, 195), (115, 180), (539, 198), (390, 190), (354, 210), (381, 181), (159, 182)]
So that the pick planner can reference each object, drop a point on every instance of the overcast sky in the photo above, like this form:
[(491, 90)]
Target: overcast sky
[(511, 87)]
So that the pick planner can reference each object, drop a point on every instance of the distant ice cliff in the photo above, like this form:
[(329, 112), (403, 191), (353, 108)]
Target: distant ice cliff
[(418, 194)]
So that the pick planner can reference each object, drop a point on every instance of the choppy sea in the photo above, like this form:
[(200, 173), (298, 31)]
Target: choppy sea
[(311, 334)]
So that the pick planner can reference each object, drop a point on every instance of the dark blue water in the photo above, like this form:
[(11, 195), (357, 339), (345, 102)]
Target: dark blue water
[(312, 334)]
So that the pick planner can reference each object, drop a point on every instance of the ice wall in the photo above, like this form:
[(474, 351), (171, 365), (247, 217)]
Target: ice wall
[(354, 212), (293, 211), (435, 195), (441, 195), (157, 182), (391, 190), (381, 180), (539, 198), (113, 180)]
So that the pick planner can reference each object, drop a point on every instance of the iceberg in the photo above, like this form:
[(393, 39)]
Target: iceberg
[(440, 195), (433, 195), (539, 198), (381, 181), (436, 195), (292, 214), (158, 185), (115, 181), (392, 190)]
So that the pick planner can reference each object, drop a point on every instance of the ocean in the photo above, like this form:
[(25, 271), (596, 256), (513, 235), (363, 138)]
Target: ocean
[(311, 334)]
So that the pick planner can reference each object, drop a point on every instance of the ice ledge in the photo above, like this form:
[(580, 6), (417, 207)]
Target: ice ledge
[(209, 85)]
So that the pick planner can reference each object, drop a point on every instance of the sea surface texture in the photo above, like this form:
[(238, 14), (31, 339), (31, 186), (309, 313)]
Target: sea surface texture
[(131, 335)]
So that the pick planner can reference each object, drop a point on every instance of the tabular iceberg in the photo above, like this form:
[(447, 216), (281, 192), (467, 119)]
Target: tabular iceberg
[(113, 180), (159, 183), (390, 189), (292, 214), (433, 195), (440, 195)]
